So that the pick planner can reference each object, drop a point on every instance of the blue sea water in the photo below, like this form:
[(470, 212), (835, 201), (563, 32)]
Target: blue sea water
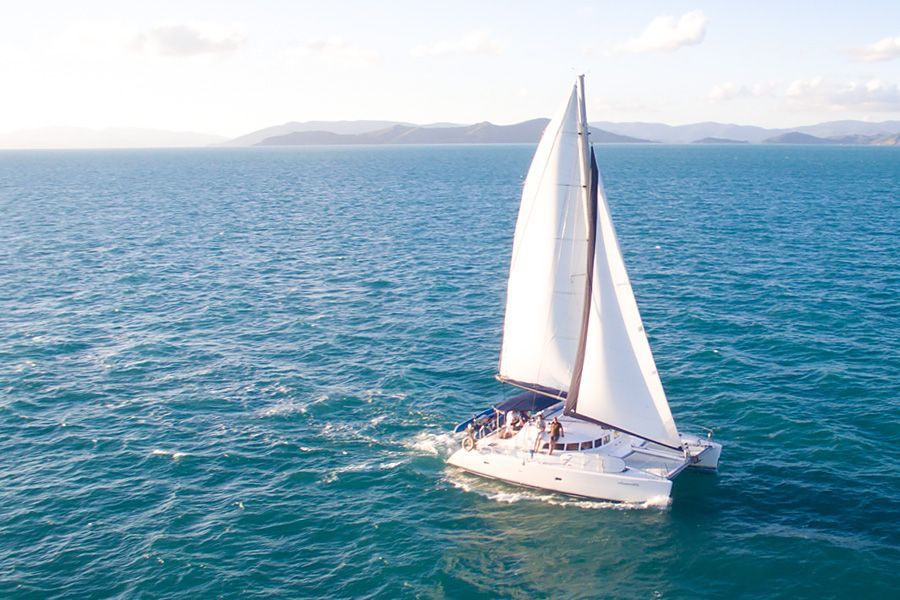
[(232, 373)]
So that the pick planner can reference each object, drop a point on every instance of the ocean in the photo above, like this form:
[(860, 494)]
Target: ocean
[(233, 373)]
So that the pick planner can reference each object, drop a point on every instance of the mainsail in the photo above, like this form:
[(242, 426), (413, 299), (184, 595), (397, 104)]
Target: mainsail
[(597, 355), (545, 293)]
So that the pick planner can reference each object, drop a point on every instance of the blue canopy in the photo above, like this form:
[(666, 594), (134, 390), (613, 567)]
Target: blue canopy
[(530, 401), (526, 401)]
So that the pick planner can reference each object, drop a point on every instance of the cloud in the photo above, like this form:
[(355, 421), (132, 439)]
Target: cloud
[(336, 50), (729, 90), (188, 40), (668, 33), (476, 42), (873, 95), (884, 49)]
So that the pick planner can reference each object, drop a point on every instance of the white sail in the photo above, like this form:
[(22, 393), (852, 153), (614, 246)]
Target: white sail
[(545, 293), (620, 385)]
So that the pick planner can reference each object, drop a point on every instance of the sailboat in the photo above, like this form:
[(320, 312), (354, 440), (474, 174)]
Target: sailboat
[(574, 344)]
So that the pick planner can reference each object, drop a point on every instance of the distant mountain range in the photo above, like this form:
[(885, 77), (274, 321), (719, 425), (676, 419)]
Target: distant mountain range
[(835, 131), (115, 137), (480, 133), (313, 133)]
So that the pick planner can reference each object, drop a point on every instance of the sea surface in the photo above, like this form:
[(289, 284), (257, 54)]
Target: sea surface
[(233, 372)]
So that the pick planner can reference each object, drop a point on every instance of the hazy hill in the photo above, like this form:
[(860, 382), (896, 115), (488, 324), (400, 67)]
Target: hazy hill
[(853, 139), (339, 127), (682, 134), (116, 137), (685, 134), (715, 140), (888, 140), (795, 137), (847, 127), (480, 133)]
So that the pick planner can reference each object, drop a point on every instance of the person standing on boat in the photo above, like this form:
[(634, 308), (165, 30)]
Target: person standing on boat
[(541, 428), (509, 422), (556, 432)]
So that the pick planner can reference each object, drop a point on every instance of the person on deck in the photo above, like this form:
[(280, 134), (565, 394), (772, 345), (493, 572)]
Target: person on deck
[(556, 432), (510, 420), (541, 435)]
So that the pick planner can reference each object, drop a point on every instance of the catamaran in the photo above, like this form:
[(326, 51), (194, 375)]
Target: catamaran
[(574, 342)]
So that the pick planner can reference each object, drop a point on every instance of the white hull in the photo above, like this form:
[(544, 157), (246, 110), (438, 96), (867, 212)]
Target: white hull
[(564, 478), (626, 469)]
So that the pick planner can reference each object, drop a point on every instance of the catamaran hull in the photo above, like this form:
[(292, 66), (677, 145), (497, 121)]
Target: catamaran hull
[(708, 460), (617, 487)]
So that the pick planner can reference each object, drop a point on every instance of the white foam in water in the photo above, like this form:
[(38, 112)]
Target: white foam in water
[(173, 453), (484, 489), (281, 408), (369, 465), (370, 395), (392, 464), (286, 407), (436, 444)]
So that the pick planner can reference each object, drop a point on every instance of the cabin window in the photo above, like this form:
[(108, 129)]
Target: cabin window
[(605, 439), (559, 446), (572, 446), (587, 445)]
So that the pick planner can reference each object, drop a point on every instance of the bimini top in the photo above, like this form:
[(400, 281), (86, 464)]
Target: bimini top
[(526, 401)]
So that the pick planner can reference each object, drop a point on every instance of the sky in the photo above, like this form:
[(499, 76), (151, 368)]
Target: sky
[(229, 67)]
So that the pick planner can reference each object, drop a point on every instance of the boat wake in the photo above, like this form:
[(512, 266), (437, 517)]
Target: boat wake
[(366, 466), (491, 491), (434, 444)]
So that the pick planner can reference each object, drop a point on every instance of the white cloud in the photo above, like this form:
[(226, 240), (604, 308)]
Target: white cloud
[(337, 51), (873, 95), (668, 33), (729, 90), (188, 40), (884, 49), (476, 42)]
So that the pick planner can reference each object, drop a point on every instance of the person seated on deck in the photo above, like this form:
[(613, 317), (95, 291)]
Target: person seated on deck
[(556, 432), (509, 422)]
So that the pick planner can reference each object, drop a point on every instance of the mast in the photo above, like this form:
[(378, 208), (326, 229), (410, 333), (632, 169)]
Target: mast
[(588, 175)]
